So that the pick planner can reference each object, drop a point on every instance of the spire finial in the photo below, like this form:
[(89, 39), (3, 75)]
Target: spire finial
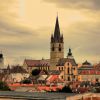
[(57, 14)]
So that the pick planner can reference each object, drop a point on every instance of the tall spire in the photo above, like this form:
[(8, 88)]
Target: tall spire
[(57, 30)]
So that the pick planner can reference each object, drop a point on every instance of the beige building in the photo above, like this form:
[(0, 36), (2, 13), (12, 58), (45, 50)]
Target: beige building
[(68, 67), (15, 74)]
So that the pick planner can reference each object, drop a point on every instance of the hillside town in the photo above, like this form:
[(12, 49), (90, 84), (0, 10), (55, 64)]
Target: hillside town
[(52, 75)]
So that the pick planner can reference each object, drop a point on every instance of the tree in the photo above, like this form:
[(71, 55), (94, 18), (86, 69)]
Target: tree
[(4, 86), (35, 72), (66, 89), (26, 81)]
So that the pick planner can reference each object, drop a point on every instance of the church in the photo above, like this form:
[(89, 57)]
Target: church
[(67, 66)]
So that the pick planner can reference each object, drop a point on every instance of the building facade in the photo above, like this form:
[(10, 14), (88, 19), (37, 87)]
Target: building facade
[(88, 72), (69, 67)]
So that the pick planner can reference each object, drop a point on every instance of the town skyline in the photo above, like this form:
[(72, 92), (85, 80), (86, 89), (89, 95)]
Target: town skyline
[(26, 27)]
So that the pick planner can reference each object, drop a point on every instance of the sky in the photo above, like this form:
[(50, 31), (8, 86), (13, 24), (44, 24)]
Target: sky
[(26, 27)]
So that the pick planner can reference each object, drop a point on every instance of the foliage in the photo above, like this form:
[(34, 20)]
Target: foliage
[(4, 86), (35, 72), (26, 81), (66, 89)]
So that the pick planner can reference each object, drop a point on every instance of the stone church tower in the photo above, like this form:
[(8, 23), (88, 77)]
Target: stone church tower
[(57, 46)]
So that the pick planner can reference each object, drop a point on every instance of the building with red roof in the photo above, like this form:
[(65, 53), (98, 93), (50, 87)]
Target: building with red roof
[(30, 65), (88, 72)]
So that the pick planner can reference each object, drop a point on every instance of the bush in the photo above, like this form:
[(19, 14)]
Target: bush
[(4, 86)]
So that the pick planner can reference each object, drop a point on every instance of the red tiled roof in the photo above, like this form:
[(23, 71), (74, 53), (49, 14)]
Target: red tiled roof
[(52, 78), (89, 72), (36, 63)]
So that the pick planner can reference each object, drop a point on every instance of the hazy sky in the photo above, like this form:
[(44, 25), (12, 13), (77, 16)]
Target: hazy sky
[(26, 27)]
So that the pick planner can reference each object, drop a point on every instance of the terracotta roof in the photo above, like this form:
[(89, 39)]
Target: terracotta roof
[(37, 63), (62, 61), (17, 69), (89, 72)]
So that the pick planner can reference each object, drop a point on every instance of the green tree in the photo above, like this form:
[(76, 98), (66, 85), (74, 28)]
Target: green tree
[(35, 72), (26, 81), (66, 89), (4, 86)]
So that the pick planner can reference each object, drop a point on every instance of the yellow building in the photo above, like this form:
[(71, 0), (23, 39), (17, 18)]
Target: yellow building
[(68, 67)]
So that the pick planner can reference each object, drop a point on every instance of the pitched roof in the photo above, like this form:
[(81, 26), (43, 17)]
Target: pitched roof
[(57, 30), (37, 63), (86, 63), (62, 61), (17, 69), (86, 66)]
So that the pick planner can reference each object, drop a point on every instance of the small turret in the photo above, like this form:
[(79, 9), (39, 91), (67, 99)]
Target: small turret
[(69, 55)]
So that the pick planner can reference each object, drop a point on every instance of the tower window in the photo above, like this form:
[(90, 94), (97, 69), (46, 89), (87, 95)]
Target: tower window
[(53, 49), (59, 49)]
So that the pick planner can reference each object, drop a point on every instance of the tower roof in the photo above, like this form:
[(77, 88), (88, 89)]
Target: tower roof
[(69, 55), (57, 30)]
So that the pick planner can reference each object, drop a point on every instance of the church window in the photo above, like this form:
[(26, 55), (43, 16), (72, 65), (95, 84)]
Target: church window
[(68, 78), (52, 48), (59, 48)]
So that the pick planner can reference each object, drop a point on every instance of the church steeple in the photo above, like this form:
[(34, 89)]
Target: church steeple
[(57, 30), (57, 45), (57, 37)]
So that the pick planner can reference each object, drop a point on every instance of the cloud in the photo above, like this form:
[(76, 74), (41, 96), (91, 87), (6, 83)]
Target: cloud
[(79, 4), (83, 38)]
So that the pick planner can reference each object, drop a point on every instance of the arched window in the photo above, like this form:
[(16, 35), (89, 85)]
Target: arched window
[(59, 68), (59, 47), (68, 78), (68, 70), (68, 64), (53, 48), (62, 68)]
